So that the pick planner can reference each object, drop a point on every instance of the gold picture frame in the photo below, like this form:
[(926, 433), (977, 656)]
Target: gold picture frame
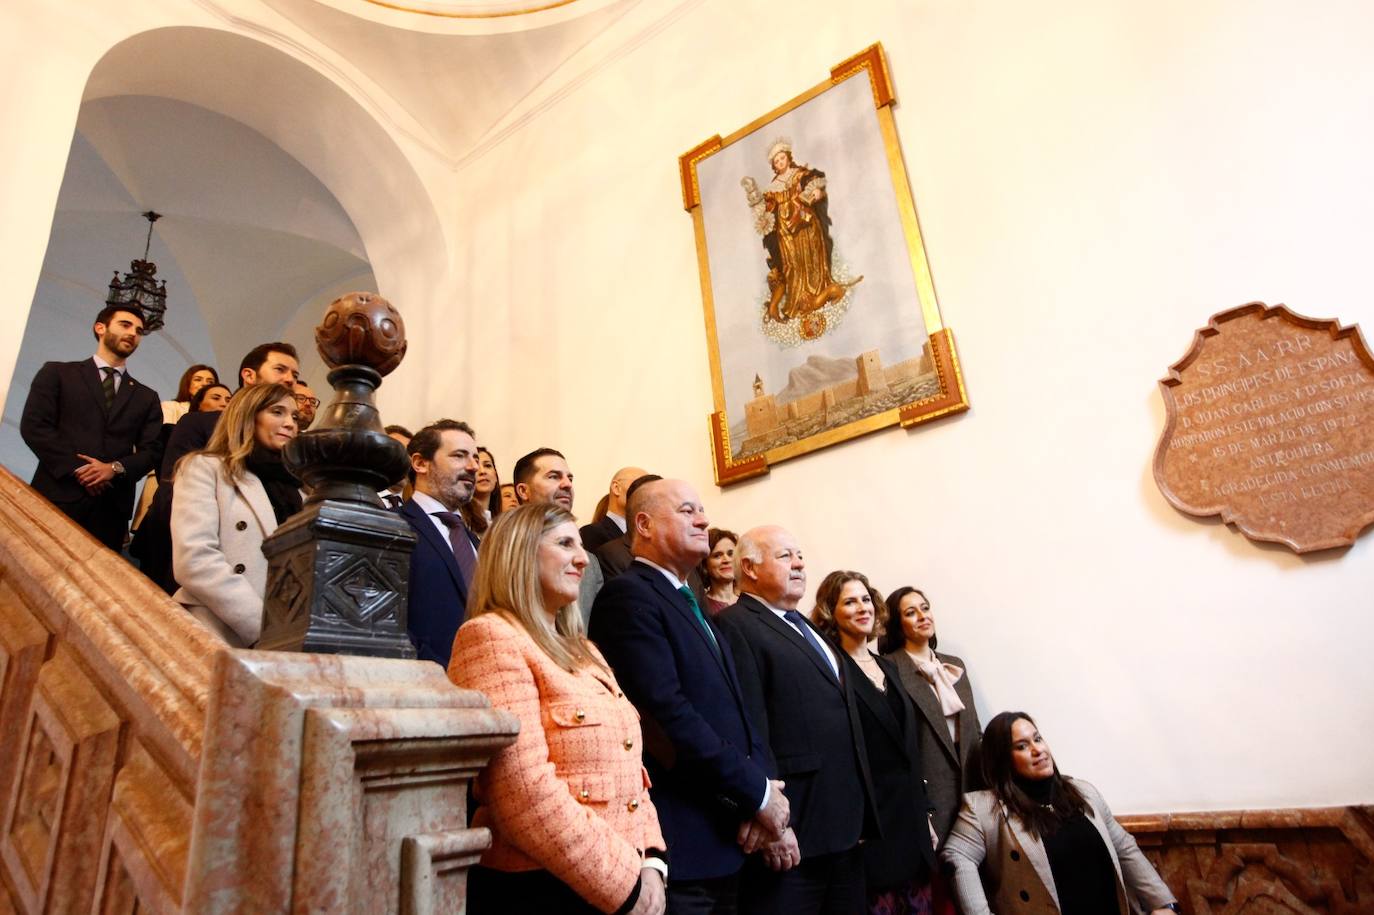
[(781, 270)]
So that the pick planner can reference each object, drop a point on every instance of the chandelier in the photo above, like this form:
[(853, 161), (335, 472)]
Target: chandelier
[(140, 288)]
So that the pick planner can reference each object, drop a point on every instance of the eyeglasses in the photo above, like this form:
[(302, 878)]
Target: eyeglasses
[(304, 401)]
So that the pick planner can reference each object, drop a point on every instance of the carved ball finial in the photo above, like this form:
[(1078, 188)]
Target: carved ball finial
[(362, 328)]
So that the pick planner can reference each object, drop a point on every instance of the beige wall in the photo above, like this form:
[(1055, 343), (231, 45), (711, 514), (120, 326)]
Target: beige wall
[(1094, 180)]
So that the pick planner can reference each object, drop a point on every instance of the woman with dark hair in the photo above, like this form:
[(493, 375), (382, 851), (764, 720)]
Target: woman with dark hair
[(229, 498), (572, 827), (152, 544), (192, 380), (152, 549), (485, 504), (939, 685), (718, 570), (213, 398), (1040, 843), (898, 866)]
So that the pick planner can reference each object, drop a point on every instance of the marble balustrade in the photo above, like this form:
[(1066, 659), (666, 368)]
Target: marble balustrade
[(146, 767)]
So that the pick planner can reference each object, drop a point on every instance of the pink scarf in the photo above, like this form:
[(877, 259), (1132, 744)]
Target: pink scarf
[(943, 676)]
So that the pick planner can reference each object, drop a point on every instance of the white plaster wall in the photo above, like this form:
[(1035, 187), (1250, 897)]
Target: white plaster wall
[(1094, 180)]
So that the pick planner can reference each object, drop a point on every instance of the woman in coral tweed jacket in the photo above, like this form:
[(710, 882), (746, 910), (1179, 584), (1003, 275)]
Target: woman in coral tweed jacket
[(573, 829)]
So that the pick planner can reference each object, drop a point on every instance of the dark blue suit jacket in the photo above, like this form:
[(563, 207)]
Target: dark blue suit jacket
[(708, 762), (438, 594)]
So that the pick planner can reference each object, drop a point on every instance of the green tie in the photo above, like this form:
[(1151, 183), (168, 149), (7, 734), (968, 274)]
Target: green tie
[(107, 384), (696, 611)]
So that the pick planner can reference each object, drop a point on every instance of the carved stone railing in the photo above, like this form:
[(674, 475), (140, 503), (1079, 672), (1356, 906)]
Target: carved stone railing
[(146, 767), (1303, 861)]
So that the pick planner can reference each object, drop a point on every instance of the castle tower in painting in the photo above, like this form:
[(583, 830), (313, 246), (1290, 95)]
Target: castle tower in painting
[(872, 375)]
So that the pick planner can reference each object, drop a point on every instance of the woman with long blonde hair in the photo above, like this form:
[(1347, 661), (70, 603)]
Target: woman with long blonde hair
[(228, 499), (573, 829)]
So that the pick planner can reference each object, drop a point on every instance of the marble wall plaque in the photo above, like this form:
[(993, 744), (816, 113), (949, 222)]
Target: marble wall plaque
[(1271, 426)]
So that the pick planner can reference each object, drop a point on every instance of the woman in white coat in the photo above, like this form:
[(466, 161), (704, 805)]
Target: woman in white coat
[(229, 498)]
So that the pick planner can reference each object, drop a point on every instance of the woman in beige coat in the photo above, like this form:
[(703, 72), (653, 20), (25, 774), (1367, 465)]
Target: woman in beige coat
[(1038, 843), (227, 500)]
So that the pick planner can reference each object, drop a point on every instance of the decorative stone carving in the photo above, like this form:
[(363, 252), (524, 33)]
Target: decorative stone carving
[(1304, 862), (362, 329), (52, 833), (1271, 426), (146, 837), (23, 641), (338, 572)]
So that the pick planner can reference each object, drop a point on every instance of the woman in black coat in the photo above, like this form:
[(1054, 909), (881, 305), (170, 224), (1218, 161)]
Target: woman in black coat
[(898, 866)]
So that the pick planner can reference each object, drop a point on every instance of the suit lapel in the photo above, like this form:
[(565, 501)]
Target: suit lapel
[(680, 606), (794, 637), (430, 535), (91, 375), (926, 703), (1034, 852), (1096, 818)]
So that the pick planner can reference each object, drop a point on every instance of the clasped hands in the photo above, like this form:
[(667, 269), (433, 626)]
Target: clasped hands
[(95, 474), (768, 831)]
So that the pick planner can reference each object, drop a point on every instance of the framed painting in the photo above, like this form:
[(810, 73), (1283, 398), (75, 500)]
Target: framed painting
[(821, 317)]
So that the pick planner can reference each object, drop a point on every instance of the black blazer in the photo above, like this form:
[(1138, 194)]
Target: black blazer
[(811, 725), (191, 433), (599, 532), (905, 851), (614, 556), (706, 759), (65, 415), (438, 596)]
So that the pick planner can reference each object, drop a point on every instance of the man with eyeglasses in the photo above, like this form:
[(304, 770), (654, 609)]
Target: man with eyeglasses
[(306, 404)]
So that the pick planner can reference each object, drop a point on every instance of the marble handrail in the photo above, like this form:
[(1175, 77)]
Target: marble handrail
[(145, 765)]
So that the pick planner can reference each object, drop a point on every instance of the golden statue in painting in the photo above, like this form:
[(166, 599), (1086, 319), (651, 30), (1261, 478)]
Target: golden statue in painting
[(791, 215)]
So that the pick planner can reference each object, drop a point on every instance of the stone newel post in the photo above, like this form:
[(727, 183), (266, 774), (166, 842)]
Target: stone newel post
[(338, 572)]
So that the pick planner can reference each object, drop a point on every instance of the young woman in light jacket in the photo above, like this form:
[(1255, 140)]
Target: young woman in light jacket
[(1038, 843), (228, 499)]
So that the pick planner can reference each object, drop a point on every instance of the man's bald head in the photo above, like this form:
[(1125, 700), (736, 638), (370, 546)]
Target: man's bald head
[(668, 524), (620, 488)]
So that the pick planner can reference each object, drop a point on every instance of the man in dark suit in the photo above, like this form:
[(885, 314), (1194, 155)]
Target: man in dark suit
[(707, 760), (614, 554), (443, 459), (95, 429), (612, 524), (795, 690), (541, 476), (265, 363)]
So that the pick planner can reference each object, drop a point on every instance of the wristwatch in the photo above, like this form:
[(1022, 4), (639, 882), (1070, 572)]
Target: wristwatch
[(117, 467)]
